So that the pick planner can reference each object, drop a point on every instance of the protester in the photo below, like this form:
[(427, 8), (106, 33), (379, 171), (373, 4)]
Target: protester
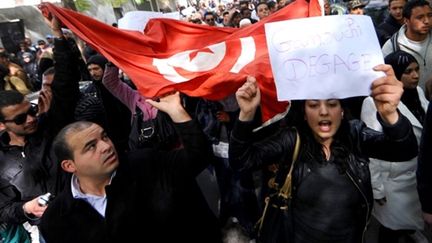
[(31, 68), (24, 47), (28, 168), (150, 195), (332, 194), (235, 19), (327, 8), (356, 7), (392, 22), (117, 114), (394, 184), (210, 19), (262, 10), (414, 37)]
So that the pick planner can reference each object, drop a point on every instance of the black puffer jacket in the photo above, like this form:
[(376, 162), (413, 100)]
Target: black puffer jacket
[(397, 143)]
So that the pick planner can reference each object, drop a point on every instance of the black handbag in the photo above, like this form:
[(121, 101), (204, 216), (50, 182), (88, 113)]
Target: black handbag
[(157, 133), (275, 224)]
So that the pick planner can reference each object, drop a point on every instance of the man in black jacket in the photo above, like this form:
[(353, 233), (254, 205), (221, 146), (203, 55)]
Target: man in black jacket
[(392, 22), (27, 169), (151, 196)]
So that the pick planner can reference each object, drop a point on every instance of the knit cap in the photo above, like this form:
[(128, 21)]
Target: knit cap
[(98, 60)]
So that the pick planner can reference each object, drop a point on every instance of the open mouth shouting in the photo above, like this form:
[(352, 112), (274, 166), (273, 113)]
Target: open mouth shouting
[(325, 125)]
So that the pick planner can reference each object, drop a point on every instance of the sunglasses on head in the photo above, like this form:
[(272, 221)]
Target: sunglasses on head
[(22, 118)]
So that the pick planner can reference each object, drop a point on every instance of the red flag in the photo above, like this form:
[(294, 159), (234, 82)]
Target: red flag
[(198, 60)]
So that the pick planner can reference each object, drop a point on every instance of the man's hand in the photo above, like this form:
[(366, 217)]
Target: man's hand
[(33, 208), (51, 21), (171, 105), (44, 101), (387, 92)]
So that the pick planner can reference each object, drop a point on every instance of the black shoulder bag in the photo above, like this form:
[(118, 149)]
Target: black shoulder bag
[(275, 224), (153, 133)]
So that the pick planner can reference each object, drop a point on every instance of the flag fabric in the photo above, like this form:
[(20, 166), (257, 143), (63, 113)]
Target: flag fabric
[(198, 60)]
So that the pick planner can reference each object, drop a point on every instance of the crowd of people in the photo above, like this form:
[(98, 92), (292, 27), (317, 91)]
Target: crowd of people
[(120, 167)]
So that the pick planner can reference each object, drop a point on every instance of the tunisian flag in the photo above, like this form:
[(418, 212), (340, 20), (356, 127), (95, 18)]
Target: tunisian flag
[(198, 60)]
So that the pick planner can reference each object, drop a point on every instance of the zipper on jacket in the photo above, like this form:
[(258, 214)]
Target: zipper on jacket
[(367, 205)]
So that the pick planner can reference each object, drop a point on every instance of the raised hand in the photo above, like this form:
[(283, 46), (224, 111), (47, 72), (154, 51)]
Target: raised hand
[(387, 92), (51, 21), (171, 105), (44, 101), (248, 98)]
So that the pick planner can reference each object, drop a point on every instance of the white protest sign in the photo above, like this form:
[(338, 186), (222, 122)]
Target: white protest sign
[(323, 57), (137, 20)]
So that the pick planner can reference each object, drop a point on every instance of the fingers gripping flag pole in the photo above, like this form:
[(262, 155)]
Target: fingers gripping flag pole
[(198, 60)]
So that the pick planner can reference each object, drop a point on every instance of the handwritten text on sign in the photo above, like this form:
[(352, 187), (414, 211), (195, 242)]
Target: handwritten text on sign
[(323, 57)]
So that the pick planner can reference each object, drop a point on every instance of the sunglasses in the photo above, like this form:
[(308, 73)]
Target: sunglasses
[(208, 20), (22, 118)]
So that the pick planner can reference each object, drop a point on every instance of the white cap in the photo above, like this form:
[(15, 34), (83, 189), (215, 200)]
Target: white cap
[(245, 22)]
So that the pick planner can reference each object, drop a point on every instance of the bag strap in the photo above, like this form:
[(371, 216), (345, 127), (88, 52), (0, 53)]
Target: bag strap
[(285, 191)]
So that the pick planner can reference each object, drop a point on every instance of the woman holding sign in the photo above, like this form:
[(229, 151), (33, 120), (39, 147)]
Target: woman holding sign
[(331, 188)]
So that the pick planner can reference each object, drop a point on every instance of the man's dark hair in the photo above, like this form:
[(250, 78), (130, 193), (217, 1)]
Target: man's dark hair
[(8, 98), (245, 2), (61, 145), (225, 13), (260, 3), (271, 4), (390, 1), (209, 13), (407, 10), (243, 10)]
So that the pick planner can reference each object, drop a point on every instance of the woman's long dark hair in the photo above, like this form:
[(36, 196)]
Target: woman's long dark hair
[(342, 145)]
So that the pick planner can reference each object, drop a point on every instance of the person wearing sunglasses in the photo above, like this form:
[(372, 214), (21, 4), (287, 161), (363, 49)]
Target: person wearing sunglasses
[(22, 118), (209, 18), (28, 169)]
